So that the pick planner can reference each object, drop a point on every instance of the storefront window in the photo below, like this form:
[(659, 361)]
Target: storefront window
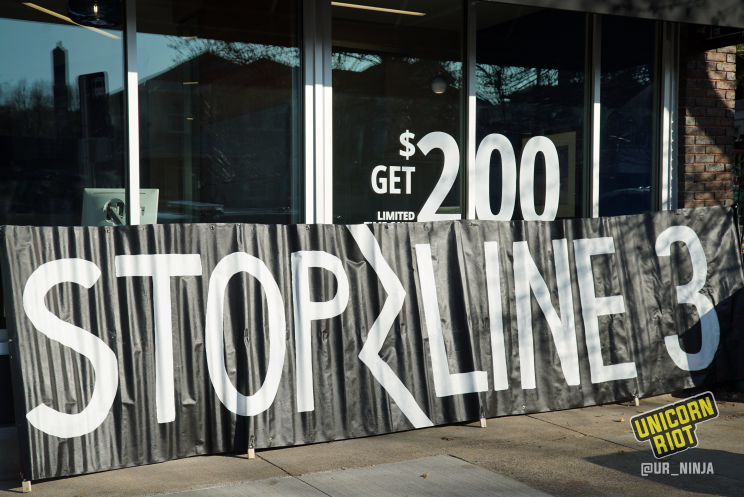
[(219, 110), (530, 81), (61, 121), (627, 135), (397, 80)]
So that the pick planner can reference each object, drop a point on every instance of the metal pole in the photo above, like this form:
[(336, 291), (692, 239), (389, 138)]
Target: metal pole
[(469, 71)]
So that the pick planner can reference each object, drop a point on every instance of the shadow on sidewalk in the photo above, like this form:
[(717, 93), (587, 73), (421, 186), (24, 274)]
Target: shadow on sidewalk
[(727, 479)]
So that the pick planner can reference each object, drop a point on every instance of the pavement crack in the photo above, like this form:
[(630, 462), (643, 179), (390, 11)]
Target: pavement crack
[(559, 426), (291, 475), (588, 434), (313, 486), (276, 466)]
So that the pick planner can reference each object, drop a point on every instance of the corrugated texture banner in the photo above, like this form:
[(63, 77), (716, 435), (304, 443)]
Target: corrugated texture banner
[(140, 344)]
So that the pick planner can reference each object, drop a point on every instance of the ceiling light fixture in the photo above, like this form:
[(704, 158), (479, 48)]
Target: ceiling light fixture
[(439, 83), (377, 9), (95, 13), (65, 18)]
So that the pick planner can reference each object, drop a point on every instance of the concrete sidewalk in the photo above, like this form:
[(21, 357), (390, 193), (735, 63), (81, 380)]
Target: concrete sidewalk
[(438, 475), (585, 451)]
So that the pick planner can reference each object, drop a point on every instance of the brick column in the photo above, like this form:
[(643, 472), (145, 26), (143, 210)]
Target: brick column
[(706, 116)]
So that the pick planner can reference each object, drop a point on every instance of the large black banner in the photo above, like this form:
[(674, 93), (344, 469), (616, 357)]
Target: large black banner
[(139, 344)]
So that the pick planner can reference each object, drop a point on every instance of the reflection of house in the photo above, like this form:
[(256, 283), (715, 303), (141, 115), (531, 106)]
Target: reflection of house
[(48, 152), (218, 131)]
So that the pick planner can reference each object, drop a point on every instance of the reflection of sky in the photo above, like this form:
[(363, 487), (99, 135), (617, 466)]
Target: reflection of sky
[(153, 54), (27, 52)]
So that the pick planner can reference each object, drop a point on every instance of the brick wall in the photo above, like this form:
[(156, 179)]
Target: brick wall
[(706, 117)]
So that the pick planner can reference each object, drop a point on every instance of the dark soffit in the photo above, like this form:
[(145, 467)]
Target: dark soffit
[(727, 13)]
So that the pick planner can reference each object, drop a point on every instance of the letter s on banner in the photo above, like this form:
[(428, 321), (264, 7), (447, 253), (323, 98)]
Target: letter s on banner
[(101, 357), (690, 294), (229, 266)]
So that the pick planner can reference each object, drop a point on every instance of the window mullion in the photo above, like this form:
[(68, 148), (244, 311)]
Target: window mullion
[(131, 112)]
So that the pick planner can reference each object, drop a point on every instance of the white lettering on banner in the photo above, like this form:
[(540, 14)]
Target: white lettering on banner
[(307, 311), (449, 147), (370, 353), (495, 316), (161, 267), (690, 294), (101, 357), (592, 307), (480, 183), (445, 383), (563, 329), (527, 280), (236, 402), (535, 145)]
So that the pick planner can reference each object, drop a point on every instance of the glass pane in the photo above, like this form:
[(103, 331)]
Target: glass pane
[(627, 117), (219, 111), (61, 122), (530, 66), (396, 78)]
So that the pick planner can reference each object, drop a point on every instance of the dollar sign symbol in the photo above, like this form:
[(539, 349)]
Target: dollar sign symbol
[(404, 140)]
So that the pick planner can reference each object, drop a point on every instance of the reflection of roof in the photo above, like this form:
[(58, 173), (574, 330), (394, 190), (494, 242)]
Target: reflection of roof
[(211, 68), (230, 87), (566, 94), (396, 76), (264, 73)]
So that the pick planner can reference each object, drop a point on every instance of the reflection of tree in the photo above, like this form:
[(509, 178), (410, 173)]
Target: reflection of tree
[(233, 51), (396, 89), (355, 62), (31, 107), (496, 83)]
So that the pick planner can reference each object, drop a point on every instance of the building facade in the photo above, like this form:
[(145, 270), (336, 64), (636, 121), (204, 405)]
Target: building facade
[(315, 111)]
